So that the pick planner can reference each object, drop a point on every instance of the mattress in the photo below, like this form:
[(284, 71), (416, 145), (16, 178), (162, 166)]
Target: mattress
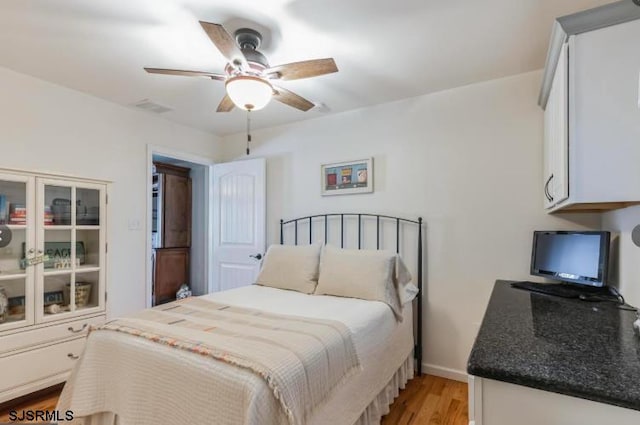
[(173, 386)]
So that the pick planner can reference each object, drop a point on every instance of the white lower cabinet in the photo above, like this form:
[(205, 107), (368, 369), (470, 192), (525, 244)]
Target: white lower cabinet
[(38, 368), (39, 358), (45, 335), (499, 403)]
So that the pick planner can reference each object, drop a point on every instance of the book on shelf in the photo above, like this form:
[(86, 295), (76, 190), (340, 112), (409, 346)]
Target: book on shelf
[(17, 214), (48, 216), (18, 209)]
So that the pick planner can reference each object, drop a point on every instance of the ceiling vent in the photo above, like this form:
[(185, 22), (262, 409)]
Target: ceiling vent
[(151, 106)]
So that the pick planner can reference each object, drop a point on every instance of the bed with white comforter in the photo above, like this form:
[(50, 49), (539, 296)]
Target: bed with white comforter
[(123, 379)]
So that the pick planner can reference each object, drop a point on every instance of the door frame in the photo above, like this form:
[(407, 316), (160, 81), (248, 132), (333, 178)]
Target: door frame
[(208, 187)]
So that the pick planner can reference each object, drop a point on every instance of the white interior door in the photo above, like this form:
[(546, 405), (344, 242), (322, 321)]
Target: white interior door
[(239, 198)]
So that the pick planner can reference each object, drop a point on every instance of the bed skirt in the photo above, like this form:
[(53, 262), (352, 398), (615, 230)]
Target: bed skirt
[(371, 415), (380, 405)]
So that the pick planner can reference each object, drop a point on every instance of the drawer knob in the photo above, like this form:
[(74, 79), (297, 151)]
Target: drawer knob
[(75, 331), (73, 356)]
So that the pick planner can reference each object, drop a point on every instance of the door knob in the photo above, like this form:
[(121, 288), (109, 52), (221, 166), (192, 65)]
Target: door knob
[(256, 256)]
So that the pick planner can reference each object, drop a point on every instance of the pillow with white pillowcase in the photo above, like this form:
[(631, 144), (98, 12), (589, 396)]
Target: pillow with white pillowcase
[(374, 275), (292, 267)]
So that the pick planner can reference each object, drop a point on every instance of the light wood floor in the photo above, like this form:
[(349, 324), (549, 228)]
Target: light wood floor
[(44, 402), (427, 400), (430, 400)]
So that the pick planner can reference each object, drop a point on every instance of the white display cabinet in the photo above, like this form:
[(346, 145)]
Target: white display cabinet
[(53, 259)]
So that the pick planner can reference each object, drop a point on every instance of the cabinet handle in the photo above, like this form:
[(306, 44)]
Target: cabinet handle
[(75, 331), (546, 189), (73, 356)]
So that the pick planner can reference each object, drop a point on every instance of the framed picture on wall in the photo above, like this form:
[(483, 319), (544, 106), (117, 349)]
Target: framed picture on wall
[(345, 178)]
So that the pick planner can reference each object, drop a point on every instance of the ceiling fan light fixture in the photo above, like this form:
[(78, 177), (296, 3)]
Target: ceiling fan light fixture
[(248, 92)]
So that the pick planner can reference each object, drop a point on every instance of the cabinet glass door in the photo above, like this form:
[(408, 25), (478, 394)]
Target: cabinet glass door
[(90, 249), (73, 244), (16, 245)]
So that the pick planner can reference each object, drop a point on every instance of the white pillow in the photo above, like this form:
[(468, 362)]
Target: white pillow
[(364, 274), (293, 267)]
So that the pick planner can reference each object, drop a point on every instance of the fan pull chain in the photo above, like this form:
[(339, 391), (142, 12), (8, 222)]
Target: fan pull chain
[(248, 130)]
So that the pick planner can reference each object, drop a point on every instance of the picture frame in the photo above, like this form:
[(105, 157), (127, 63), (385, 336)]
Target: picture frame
[(347, 177)]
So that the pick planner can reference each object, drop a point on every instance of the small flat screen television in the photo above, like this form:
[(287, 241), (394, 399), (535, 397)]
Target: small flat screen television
[(571, 256)]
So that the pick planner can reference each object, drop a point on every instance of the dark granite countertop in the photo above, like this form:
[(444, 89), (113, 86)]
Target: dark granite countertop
[(567, 346)]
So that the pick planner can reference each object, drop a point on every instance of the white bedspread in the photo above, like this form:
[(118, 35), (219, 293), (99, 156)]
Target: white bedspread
[(157, 384)]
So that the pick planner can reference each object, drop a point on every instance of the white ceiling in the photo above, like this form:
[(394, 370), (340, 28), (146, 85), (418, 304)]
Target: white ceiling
[(385, 50)]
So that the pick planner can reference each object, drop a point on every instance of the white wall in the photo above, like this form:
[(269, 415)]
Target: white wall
[(626, 259), (45, 127), (468, 160)]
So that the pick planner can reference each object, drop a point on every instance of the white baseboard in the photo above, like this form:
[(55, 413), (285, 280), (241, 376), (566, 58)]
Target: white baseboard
[(445, 372)]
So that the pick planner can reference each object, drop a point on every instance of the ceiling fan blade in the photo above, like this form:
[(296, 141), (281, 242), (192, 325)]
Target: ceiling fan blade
[(304, 69), (226, 104), (225, 43), (290, 98), (213, 76)]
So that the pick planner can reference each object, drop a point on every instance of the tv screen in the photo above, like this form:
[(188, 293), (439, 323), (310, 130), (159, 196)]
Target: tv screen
[(571, 256)]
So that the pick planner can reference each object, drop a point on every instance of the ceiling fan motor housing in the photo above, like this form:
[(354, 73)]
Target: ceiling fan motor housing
[(249, 41)]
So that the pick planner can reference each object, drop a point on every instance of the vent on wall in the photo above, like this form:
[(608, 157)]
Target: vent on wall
[(151, 106)]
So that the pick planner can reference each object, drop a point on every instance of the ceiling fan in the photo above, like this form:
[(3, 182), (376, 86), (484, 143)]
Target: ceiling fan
[(248, 76)]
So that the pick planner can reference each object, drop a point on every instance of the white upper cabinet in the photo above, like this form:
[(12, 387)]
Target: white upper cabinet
[(556, 136), (592, 121), (605, 117)]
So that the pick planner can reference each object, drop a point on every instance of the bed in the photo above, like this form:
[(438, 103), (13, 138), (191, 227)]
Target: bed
[(139, 377)]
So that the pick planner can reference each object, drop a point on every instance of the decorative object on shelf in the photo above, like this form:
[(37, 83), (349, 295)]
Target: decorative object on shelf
[(16, 305), (53, 309), (4, 305), (82, 292), (4, 209), (635, 235), (61, 209), (183, 292), (55, 255), (87, 216), (53, 297), (5, 235), (64, 263), (344, 178)]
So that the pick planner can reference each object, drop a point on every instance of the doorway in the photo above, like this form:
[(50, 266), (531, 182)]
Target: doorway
[(170, 247)]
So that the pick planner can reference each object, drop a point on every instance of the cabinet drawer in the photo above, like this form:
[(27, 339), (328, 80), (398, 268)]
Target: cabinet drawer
[(38, 364), (47, 334)]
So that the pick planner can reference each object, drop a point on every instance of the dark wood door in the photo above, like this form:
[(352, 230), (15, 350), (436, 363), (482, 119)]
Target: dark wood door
[(171, 271), (177, 211)]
